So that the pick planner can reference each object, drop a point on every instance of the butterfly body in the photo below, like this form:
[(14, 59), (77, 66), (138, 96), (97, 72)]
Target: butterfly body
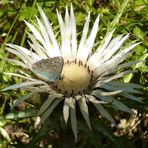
[(49, 69)]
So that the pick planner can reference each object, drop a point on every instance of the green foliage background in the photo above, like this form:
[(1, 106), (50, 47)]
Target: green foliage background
[(13, 30)]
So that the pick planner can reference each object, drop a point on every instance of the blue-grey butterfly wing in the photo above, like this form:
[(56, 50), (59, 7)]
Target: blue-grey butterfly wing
[(49, 69)]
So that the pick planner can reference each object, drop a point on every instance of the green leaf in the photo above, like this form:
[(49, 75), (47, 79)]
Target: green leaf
[(104, 113), (131, 97), (24, 98), (139, 33), (50, 110), (19, 115), (120, 106), (26, 12), (46, 104), (101, 128)]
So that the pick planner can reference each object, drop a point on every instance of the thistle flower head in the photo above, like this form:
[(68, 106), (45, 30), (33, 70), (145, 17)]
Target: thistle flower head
[(75, 72)]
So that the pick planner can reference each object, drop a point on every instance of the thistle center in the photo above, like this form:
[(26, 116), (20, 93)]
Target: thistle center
[(75, 79)]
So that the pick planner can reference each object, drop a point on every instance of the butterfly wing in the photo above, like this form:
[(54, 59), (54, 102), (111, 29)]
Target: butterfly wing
[(49, 69)]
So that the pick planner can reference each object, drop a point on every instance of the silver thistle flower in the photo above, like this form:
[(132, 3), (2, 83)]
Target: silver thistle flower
[(86, 76)]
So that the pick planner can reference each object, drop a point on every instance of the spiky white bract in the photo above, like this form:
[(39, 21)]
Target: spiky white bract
[(87, 76)]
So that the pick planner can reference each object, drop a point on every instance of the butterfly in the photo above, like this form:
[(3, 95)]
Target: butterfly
[(49, 69)]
